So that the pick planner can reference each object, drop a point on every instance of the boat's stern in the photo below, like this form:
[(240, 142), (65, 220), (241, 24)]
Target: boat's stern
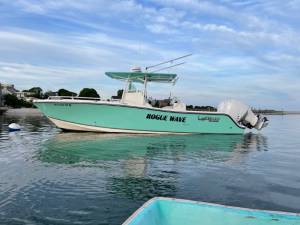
[(243, 114)]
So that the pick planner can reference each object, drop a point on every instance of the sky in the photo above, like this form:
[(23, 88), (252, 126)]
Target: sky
[(243, 49)]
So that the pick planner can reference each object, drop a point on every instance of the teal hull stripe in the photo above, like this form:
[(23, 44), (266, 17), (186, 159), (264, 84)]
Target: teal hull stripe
[(156, 109)]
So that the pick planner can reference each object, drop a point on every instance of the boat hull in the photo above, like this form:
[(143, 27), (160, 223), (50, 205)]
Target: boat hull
[(168, 211), (119, 118)]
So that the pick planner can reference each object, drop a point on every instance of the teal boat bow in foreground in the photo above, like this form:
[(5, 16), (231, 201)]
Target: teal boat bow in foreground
[(168, 211)]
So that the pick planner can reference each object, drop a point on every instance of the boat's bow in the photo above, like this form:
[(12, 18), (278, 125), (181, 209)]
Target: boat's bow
[(162, 211)]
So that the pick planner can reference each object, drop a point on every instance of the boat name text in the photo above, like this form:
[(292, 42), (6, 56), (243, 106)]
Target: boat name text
[(165, 118)]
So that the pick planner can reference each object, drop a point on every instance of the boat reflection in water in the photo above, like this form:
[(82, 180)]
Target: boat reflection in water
[(72, 148), (144, 166)]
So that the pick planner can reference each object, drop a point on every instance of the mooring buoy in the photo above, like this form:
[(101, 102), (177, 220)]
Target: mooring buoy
[(14, 127)]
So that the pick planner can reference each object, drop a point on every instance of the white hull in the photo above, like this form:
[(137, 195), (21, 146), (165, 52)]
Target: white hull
[(79, 127)]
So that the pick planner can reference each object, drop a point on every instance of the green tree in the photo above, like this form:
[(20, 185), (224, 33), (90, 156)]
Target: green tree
[(189, 107), (38, 92), (49, 93), (205, 108), (89, 92), (64, 92), (11, 100), (46, 94), (14, 102)]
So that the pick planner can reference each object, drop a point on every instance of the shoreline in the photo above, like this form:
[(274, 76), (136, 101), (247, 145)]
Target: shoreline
[(281, 113), (22, 111)]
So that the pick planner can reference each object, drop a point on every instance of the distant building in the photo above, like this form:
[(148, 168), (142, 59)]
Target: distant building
[(30, 99), (8, 89), (24, 94)]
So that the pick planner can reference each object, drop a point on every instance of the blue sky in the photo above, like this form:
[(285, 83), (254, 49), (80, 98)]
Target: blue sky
[(248, 50)]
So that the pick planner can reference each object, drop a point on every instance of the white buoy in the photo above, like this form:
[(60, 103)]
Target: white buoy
[(14, 127)]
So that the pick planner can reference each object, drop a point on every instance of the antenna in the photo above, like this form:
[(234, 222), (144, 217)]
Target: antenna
[(169, 61), (164, 68)]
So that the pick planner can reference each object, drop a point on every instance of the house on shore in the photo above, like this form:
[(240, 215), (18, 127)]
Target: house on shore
[(26, 95), (2, 107), (8, 89)]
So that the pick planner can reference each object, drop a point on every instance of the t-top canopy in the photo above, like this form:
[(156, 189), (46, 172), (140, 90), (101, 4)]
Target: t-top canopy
[(141, 77)]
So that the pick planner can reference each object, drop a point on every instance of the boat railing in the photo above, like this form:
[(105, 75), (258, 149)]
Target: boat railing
[(73, 98)]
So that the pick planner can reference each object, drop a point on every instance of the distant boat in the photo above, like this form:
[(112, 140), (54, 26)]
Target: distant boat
[(169, 211), (133, 113)]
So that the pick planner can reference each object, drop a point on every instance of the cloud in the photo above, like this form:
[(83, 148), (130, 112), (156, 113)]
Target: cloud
[(160, 29), (38, 58), (241, 48), (31, 73), (196, 6), (208, 27)]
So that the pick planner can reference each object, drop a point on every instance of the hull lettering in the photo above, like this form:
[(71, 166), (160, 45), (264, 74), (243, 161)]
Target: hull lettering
[(166, 118)]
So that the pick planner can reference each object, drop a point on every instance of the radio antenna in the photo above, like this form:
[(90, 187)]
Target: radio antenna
[(169, 61), (164, 68)]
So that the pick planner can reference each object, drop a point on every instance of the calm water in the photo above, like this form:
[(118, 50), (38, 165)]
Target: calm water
[(50, 177)]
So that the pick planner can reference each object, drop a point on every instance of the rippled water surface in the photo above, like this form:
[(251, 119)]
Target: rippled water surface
[(51, 177)]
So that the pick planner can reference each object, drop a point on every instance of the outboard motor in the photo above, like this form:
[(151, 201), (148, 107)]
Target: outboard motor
[(242, 114)]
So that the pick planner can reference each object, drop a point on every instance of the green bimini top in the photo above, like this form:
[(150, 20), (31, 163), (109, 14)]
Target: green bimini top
[(141, 77)]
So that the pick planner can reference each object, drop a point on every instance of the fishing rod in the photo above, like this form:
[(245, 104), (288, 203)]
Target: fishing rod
[(169, 61), (164, 68)]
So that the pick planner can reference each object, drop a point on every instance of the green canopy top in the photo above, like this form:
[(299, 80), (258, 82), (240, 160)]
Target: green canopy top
[(141, 77)]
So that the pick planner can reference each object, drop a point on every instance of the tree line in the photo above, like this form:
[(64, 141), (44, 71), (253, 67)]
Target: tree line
[(13, 101), (37, 92), (201, 108), (85, 92)]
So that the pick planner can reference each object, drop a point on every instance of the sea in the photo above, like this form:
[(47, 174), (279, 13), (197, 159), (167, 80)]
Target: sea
[(52, 177)]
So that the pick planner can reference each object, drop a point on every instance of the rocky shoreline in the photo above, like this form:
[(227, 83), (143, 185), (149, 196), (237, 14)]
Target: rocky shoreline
[(23, 111)]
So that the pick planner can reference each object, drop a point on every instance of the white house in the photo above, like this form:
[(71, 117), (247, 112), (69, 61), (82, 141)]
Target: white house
[(8, 89), (24, 94)]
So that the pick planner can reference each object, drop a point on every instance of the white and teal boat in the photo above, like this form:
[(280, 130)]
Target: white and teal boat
[(168, 211), (134, 114)]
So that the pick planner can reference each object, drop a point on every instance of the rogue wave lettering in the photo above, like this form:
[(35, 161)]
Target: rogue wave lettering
[(165, 118), (177, 118), (156, 117)]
